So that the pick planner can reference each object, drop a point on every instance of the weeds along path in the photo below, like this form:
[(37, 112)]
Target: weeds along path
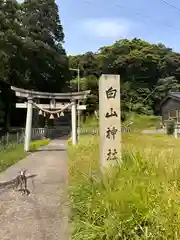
[(44, 213)]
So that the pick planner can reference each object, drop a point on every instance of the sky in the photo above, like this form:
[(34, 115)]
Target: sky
[(91, 24)]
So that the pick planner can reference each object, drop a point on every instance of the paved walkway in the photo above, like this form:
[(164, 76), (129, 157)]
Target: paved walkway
[(42, 214), (154, 131)]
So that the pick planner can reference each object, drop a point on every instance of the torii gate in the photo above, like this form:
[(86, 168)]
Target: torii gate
[(31, 95)]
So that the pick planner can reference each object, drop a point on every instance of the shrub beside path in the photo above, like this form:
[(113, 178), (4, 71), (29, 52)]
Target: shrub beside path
[(44, 213)]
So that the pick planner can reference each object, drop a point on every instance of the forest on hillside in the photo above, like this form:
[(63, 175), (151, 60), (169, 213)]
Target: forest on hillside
[(148, 72), (32, 56)]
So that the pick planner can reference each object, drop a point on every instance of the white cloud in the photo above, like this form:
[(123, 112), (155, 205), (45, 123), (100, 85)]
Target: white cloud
[(109, 28)]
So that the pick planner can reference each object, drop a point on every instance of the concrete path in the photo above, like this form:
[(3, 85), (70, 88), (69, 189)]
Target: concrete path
[(44, 213), (154, 131)]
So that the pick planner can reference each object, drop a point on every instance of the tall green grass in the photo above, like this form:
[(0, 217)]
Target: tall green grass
[(139, 200), (92, 122), (15, 153), (141, 122), (135, 121)]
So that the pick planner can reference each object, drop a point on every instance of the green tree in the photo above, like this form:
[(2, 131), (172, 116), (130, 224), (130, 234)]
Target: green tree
[(10, 35), (88, 83), (166, 85), (31, 51), (141, 65), (48, 66), (11, 31), (87, 63)]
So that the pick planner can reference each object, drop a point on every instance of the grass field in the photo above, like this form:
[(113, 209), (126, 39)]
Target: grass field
[(140, 200), (13, 154), (138, 122), (141, 122)]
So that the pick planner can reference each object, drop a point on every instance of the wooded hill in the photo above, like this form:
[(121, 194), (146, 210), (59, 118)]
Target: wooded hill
[(148, 72)]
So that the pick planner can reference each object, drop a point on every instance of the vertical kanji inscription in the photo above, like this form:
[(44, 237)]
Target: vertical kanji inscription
[(110, 119)]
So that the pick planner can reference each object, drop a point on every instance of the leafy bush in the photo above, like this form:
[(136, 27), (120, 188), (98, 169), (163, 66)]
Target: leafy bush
[(170, 128), (39, 143)]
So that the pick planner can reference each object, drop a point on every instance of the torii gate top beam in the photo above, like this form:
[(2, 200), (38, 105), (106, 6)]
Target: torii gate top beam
[(20, 92)]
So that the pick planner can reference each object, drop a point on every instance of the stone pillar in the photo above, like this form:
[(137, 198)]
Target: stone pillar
[(110, 120), (74, 122), (28, 129)]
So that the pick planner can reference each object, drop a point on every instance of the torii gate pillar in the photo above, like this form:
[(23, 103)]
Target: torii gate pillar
[(74, 122), (28, 129)]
